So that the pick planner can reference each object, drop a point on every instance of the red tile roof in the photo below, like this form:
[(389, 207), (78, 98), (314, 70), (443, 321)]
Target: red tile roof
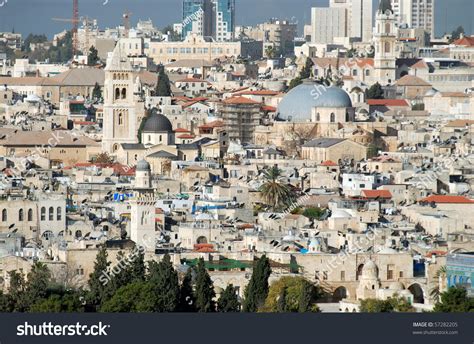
[(466, 41), (387, 102), (259, 93), (329, 163), (386, 194), (181, 130), (269, 108), (447, 199), (210, 125), (186, 136), (240, 100)]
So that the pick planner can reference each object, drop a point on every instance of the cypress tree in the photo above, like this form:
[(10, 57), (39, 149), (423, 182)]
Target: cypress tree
[(229, 302), (257, 290), (204, 289), (164, 280), (186, 296), (98, 282), (96, 92), (163, 86)]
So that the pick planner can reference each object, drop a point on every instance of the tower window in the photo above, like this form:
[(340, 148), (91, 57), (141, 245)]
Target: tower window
[(124, 93), (117, 93)]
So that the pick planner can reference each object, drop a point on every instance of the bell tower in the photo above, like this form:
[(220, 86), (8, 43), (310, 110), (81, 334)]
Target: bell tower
[(120, 117), (385, 39)]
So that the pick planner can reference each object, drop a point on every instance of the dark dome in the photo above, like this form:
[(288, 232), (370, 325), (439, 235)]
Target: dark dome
[(143, 165), (157, 123), (296, 105)]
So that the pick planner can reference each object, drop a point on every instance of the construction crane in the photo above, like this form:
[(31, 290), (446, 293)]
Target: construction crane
[(75, 23)]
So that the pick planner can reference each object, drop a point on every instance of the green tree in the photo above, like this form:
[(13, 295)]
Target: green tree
[(4, 303), (98, 282), (313, 213), (229, 302), (275, 192), (164, 280), (390, 305), (295, 82), (440, 275), (17, 299), (204, 291), (31, 38), (375, 92), (59, 301), (257, 290), (97, 92), (456, 34), (163, 86), (307, 71), (93, 57), (173, 36), (186, 294), (454, 300), (38, 281), (291, 294), (135, 297), (281, 302)]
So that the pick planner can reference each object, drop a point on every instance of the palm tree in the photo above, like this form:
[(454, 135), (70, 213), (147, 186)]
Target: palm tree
[(274, 191), (440, 275)]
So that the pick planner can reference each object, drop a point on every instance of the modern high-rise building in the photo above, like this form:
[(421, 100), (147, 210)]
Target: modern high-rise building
[(415, 13), (359, 17), (327, 24), (212, 18), (197, 17), (224, 20)]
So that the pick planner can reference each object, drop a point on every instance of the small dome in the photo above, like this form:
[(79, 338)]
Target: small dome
[(143, 166), (370, 270), (297, 105), (157, 123)]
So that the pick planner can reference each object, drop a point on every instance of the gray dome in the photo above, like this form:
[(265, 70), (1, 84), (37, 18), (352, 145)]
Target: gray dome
[(143, 166), (157, 123), (297, 104)]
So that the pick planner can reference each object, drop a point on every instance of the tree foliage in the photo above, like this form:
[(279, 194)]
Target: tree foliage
[(275, 192), (291, 294), (391, 305), (204, 290), (163, 86), (375, 92), (93, 57), (229, 301), (455, 299), (257, 290)]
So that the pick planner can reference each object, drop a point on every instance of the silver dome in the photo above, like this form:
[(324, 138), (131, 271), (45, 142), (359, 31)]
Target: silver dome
[(296, 105), (143, 166)]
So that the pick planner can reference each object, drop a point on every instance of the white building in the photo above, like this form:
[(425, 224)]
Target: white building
[(415, 13), (359, 17), (328, 24)]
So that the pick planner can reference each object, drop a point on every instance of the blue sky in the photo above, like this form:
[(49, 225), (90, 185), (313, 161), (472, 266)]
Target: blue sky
[(35, 15)]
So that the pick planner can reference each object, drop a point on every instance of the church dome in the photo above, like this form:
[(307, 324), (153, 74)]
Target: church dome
[(370, 270), (157, 123), (297, 105), (143, 166)]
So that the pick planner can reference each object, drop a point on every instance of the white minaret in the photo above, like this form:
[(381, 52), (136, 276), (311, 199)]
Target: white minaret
[(142, 226), (120, 117), (385, 39)]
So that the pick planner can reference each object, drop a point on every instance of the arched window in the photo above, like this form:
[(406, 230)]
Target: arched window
[(387, 47), (333, 117), (318, 117), (117, 93), (21, 215), (51, 214), (4, 215), (43, 214), (124, 93), (367, 72), (58, 214), (30, 215), (115, 76), (120, 119)]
